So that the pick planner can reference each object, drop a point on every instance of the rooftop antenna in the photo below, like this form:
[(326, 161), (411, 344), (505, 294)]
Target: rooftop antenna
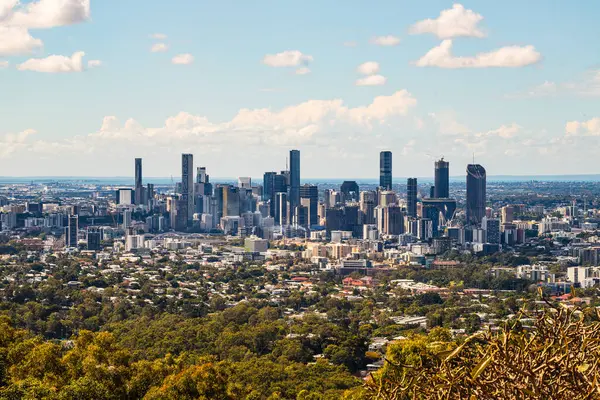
[(286, 164)]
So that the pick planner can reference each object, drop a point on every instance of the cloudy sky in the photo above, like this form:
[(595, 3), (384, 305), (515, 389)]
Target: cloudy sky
[(87, 85)]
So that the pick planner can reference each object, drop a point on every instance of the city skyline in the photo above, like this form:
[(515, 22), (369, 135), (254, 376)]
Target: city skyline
[(420, 80)]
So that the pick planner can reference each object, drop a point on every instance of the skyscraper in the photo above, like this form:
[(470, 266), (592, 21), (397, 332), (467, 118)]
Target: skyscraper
[(268, 182), (350, 191), (385, 170), (72, 230), (139, 188), (279, 186), (309, 195), (476, 194), (294, 180), (411, 197), (231, 201), (94, 236), (491, 226), (245, 182), (281, 210), (187, 186), (442, 179)]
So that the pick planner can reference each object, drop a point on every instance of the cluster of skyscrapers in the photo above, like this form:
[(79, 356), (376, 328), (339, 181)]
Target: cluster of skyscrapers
[(281, 205)]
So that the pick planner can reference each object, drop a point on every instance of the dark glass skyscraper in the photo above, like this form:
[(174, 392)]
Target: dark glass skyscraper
[(411, 197), (310, 193), (385, 170), (294, 180), (268, 179), (279, 185), (476, 194), (187, 185), (72, 230), (442, 180), (350, 191), (139, 188)]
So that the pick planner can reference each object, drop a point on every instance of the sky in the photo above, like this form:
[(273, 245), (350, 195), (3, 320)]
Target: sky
[(88, 85)]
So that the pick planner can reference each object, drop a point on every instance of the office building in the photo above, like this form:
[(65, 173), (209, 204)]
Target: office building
[(231, 201), (387, 198), (309, 197), (301, 215), (126, 219), (491, 226), (508, 214), (268, 182), (442, 180), (94, 238), (125, 196), (187, 187), (281, 209), (349, 191), (139, 188), (149, 195), (389, 220), (280, 185), (203, 187), (411, 197), (367, 206), (245, 182), (476, 194), (385, 170), (256, 245), (294, 181), (72, 231)]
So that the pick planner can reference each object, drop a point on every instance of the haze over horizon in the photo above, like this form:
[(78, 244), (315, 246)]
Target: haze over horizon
[(87, 87)]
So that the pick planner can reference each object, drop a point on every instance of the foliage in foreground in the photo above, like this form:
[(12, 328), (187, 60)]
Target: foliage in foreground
[(556, 359), (95, 366)]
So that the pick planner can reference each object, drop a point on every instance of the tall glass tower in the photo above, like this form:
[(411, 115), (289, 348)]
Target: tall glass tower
[(411, 197), (187, 185), (139, 188), (385, 170), (294, 180), (476, 194), (442, 180)]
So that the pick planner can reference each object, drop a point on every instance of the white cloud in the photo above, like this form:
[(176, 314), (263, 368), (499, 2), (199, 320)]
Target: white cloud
[(388, 40), (350, 44), (159, 48), (43, 14), (183, 59), (17, 40), (508, 57), (585, 128), (288, 58), (545, 89), (54, 64), (310, 122), (12, 142), (16, 19), (303, 71), (6, 8), (4, 64), (446, 123), (372, 80), (505, 131), (451, 23), (368, 68), (586, 85), (158, 36), (94, 63)]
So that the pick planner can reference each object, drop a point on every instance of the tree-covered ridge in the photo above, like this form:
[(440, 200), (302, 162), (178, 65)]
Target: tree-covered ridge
[(96, 366)]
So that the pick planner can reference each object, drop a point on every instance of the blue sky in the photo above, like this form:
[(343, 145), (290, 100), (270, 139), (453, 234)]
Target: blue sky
[(239, 83)]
